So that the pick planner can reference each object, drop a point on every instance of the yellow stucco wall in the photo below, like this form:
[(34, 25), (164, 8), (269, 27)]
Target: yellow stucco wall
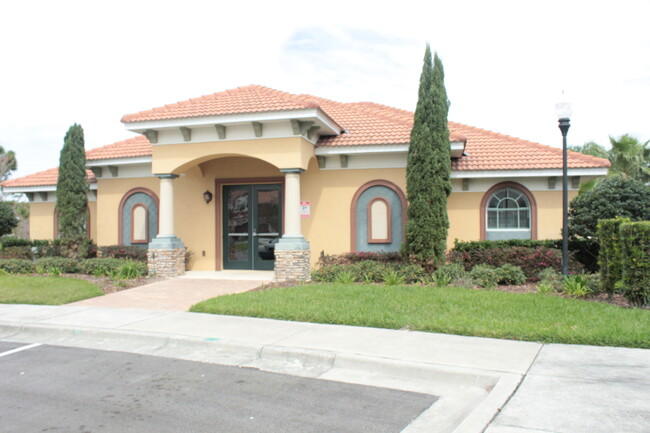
[(110, 193), (464, 213), (41, 220), (293, 152), (330, 193), (549, 213)]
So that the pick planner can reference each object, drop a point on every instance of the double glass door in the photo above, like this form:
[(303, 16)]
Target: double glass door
[(252, 224)]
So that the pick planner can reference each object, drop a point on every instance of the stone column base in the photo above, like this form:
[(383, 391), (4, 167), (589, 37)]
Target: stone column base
[(167, 262), (292, 266)]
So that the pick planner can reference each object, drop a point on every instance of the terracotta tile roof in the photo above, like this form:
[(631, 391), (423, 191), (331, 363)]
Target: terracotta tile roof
[(249, 99), (42, 178), (487, 150), (365, 123), (130, 148)]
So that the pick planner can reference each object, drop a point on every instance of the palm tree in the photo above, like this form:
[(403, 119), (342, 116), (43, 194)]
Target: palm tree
[(630, 158)]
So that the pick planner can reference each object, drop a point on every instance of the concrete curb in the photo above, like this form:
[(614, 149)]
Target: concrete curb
[(468, 398)]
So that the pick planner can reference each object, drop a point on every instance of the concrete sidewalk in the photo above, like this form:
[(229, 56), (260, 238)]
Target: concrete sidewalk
[(496, 386)]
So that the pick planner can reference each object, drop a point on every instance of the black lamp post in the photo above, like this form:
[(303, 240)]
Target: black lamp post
[(564, 113)]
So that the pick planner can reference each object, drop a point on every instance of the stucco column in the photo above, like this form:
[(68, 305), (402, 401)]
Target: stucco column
[(166, 238), (292, 238), (292, 255)]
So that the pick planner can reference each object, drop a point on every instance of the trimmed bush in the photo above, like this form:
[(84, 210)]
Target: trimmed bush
[(484, 276), (17, 266), (16, 253), (100, 266), (124, 252), (64, 264), (609, 256), (530, 260), (368, 271), (16, 242), (635, 246), (348, 258), (510, 275)]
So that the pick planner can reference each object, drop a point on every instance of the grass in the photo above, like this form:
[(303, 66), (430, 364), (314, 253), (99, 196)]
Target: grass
[(450, 310), (19, 289)]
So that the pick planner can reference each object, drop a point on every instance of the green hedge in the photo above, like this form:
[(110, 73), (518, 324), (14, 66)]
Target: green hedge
[(609, 256), (63, 264), (635, 254), (17, 253), (17, 266), (124, 252)]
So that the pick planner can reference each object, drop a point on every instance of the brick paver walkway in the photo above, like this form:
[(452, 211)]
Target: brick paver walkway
[(177, 294)]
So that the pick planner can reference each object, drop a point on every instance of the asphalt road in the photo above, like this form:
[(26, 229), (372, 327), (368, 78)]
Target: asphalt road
[(59, 389)]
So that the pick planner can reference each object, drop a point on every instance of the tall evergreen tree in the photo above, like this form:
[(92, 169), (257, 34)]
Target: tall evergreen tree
[(428, 169), (72, 190)]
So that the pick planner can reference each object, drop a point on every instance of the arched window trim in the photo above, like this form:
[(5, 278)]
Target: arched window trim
[(355, 199), (389, 234), (146, 224), (531, 201), (120, 209)]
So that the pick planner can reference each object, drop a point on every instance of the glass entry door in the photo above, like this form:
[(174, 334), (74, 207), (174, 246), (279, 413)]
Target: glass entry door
[(252, 224)]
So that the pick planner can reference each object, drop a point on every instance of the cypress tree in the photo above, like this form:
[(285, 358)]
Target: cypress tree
[(72, 190), (428, 169)]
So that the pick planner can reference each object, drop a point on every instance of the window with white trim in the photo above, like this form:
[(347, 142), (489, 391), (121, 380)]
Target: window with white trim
[(508, 215)]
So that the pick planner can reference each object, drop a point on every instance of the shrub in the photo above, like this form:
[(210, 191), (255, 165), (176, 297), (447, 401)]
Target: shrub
[(609, 256), (129, 270), (545, 288), (531, 260), (369, 271), (484, 276), (348, 258), (16, 242), (8, 220), (16, 253), (345, 277), (64, 264), (124, 252), (510, 274), (100, 266), (453, 270), (613, 197), (17, 266), (575, 286), (635, 245), (393, 278)]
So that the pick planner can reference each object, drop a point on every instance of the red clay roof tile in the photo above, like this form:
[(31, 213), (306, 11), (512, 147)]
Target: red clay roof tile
[(365, 123), (42, 178)]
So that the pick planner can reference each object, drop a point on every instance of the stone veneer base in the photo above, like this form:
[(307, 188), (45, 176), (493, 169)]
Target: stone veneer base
[(166, 263), (292, 266)]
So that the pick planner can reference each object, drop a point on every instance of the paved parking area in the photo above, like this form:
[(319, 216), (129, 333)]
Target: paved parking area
[(49, 388)]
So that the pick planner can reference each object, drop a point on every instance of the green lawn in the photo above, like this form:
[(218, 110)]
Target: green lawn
[(19, 289), (450, 310)]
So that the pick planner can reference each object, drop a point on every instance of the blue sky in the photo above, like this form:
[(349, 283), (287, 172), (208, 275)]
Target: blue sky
[(506, 62)]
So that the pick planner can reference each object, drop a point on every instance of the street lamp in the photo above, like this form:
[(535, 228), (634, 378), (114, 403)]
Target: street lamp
[(564, 111)]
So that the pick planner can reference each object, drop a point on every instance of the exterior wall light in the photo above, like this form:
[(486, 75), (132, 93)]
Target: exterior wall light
[(207, 196)]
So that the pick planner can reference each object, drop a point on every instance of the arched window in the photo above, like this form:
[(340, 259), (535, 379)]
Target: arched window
[(139, 224), (378, 213), (138, 217), (508, 210), (379, 226)]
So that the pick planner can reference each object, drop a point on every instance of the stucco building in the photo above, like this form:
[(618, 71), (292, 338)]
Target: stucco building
[(255, 178)]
